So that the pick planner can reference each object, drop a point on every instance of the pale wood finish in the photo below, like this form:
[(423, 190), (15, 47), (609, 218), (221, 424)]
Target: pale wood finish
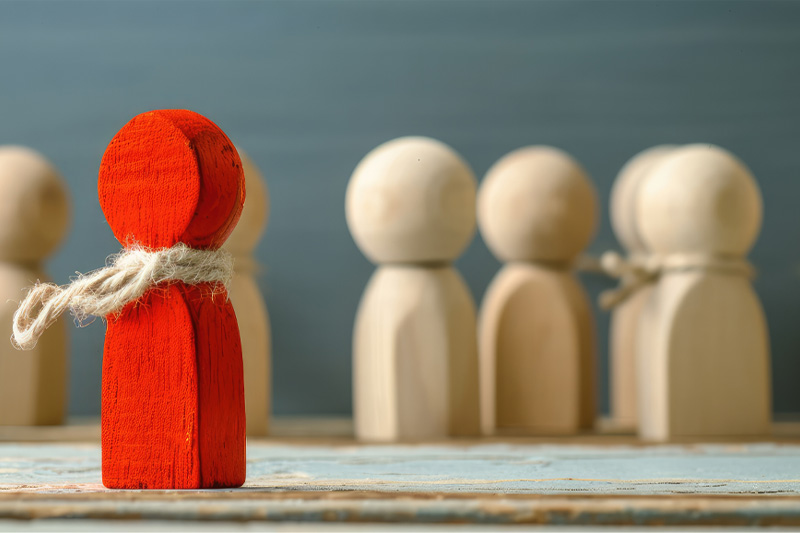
[(622, 205), (579, 302), (701, 199), (34, 217), (625, 315), (414, 356), (254, 330), (537, 204), (248, 302), (411, 209), (411, 200), (623, 381), (536, 355), (537, 210), (702, 345)]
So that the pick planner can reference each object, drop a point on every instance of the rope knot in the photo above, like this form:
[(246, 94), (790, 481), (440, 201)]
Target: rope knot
[(640, 270), (126, 277)]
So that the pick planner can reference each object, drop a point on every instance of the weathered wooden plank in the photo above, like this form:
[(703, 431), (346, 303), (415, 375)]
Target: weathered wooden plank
[(752, 469), (366, 508), (733, 484)]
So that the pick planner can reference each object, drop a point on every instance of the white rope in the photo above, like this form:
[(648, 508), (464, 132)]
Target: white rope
[(633, 273), (125, 278), (638, 271)]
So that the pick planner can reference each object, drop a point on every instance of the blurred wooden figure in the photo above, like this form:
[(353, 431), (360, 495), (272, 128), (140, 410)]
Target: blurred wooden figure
[(411, 209), (248, 303), (537, 211), (703, 357), (625, 314), (34, 217)]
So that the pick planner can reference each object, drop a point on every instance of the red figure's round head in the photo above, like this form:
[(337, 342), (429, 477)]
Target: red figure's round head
[(171, 176)]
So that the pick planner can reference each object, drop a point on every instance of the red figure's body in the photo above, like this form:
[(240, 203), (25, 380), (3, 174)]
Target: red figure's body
[(173, 396)]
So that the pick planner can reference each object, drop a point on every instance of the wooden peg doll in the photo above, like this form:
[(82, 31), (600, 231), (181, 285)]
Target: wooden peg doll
[(702, 352), (625, 314), (411, 209), (251, 311), (537, 211), (34, 217)]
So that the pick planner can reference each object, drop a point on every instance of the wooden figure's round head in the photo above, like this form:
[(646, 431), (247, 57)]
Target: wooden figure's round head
[(411, 200), (623, 196), (255, 212), (699, 199), (171, 176), (34, 206), (537, 204)]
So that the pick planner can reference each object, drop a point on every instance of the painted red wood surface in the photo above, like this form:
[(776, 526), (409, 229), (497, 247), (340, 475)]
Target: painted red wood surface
[(173, 394)]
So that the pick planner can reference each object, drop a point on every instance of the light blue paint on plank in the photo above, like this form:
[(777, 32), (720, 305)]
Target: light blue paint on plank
[(498, 484), (527, 469)]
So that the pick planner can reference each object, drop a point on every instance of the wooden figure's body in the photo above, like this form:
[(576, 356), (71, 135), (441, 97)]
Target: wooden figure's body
[(705, 358), (173, 399), (256, 349), (411, 209), (251, 310), (537, 211), (169, 427), (537, 335), (702, 345), (33, 386), (414, 356), (625, 315), (622, 338), (34, 216)]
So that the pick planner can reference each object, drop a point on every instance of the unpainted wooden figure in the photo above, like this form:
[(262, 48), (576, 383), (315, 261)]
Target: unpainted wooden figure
[(251, 311), (703, 356), (34, 218), (411, 209), (625, 315), (537, 210)]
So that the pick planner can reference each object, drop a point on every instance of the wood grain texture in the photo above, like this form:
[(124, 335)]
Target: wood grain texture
[(173, 399), (489, 483), (34, 217)]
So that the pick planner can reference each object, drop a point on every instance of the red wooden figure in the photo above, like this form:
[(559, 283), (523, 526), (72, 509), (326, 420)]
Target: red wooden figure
[(173, 396)]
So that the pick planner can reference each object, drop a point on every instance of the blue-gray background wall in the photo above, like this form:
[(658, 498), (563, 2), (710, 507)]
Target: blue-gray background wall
[(308, 88)]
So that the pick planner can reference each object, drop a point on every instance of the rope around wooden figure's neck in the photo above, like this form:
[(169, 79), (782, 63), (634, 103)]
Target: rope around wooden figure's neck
[(125, 278), (639, 271), (583, 263)]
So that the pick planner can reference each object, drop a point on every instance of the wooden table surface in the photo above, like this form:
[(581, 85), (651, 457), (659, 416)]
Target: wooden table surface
[(300, 477)]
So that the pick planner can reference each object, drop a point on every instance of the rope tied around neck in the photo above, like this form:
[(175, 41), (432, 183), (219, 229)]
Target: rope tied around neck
[(125, 278), (640, 270)]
